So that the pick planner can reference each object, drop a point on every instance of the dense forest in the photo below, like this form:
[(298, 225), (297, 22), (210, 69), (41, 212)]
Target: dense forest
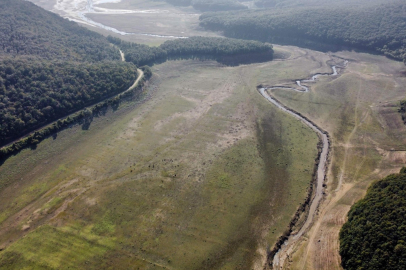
[(26, 29), (209, 5), (225, 50), (139, 54), (33, 93), (50, 67), (378, 28), (374, 237)]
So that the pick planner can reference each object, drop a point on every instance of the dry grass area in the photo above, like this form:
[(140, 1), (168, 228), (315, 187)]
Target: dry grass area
[(359, 110), (203, 175), (206, 174)]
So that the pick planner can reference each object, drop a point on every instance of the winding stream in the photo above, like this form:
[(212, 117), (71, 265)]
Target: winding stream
[(288, 245)]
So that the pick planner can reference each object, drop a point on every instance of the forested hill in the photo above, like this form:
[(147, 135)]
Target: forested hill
[(50, 67), (380, 28), (26, 29), (228, 51), (374, 237)]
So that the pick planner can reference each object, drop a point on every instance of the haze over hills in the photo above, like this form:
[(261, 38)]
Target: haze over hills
[(377, 26)]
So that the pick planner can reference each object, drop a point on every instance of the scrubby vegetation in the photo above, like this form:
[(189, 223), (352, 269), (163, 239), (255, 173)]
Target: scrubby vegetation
[(379, 28), (225, 50), (375, 235)]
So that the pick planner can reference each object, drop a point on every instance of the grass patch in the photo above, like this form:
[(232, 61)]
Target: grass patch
[(49, 248)]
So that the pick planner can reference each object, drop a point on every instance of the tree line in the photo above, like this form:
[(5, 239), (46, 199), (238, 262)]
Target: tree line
[(26, 29), (84, 117), (376, 27), (33, 93), (374, 237), (225, 50), (50, 67)]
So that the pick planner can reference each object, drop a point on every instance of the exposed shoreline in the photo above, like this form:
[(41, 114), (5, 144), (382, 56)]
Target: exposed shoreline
[(285, 244)]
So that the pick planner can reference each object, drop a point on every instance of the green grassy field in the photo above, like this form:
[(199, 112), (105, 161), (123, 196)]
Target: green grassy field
[(203, 175)]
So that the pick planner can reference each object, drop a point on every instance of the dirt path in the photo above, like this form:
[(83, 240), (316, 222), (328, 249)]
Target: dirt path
[(287, 248), (26, 212), (122, 55), (140, 76)]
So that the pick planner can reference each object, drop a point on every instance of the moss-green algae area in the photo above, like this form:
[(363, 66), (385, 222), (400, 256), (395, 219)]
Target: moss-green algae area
[(205, 174)]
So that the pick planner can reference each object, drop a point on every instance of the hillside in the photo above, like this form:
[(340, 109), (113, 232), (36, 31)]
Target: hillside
[(227, 51), (34, 93), (26, 29), (375, 235), (50, 67), (374, 27)]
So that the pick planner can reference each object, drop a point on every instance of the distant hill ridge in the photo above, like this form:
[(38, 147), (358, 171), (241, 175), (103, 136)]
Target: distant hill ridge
[(373, 27), (26, 29)]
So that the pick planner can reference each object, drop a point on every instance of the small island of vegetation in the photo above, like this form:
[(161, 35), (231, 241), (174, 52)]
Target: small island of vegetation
[(227, 51)]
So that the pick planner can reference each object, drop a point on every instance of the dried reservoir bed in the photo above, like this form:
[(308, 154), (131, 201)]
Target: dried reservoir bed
[(203, 175)]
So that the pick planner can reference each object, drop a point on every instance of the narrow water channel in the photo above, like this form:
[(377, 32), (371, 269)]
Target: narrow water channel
[(287, 246)]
